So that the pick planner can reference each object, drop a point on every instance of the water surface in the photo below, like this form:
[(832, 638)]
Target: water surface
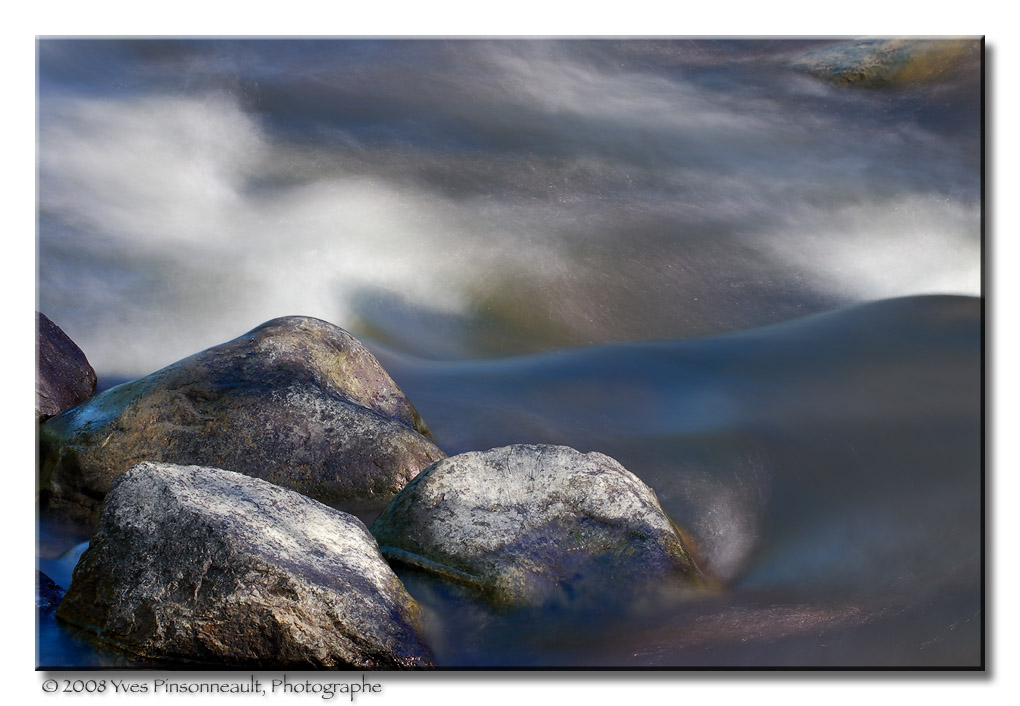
[(756, 289)]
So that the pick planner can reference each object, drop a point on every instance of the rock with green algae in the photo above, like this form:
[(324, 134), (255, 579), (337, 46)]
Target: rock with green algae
[(297, 402), (877, 62), (203, 566), (538, 525)]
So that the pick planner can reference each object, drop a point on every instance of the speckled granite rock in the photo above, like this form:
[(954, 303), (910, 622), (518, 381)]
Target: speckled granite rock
[(193, 564), (297, 402), (536, 525), (63, 376)]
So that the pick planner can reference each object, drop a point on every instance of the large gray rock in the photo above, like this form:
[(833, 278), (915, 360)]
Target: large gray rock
[(297, 402), (876, 62), (63, 376), (535, 525), (192, 564)]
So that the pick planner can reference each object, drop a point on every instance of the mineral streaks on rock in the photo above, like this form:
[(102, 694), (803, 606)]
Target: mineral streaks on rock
[(536, 525), (201, 565), (297, 401), (63, 376)]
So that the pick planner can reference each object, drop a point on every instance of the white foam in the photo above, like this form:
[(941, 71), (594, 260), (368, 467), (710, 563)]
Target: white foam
[(164, 187), (913, 244)]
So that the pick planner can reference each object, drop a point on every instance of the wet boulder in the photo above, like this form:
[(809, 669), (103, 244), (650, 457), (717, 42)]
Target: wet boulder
[(63, 376), (877, 62), (206, 566), (297, 402), (537, 525)]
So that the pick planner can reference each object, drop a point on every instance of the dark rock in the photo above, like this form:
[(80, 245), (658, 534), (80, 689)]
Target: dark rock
[(192, 564), (297, 402), (63, 376), (537, 525), (47, 594), (876, 62)]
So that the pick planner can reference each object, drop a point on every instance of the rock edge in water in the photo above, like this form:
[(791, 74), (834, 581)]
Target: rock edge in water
[(297, 401), (537, 525), (48, 594), (63, 376), (876, 62), (206, 566)]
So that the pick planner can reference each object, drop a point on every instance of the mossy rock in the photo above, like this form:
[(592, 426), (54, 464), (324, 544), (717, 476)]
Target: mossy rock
[(297, 402), (880, 62)]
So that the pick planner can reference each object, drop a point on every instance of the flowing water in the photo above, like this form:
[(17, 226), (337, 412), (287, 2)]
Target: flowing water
[(756, 289)]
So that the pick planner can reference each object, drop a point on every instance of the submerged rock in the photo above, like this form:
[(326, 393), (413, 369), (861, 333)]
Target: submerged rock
[(537, 525), (875, 62), (47, 593), (192, 564), (297, 402), (63, 376)]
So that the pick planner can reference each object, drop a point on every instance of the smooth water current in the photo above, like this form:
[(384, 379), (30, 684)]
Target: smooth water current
[(757, 290)]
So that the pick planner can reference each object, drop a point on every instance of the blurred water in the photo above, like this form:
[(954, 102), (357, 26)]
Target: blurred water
[(466, 198), (680, 253)]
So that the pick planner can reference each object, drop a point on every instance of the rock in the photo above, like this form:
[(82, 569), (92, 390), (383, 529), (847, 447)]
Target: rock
[(202, 565), (536, 525), (876, 62), (297, 402), (47, 594), (63, 376)]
